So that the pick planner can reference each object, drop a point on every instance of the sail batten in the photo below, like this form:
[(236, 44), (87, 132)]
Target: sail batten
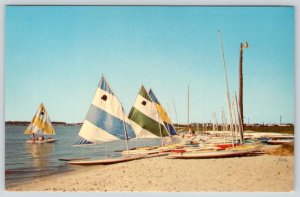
[(106, 119), (81, 140), (41, 123)]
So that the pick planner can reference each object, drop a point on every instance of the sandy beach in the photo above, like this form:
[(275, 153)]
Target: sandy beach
[(257, 173)]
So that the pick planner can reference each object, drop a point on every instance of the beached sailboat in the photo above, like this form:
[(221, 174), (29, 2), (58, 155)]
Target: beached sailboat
[(214, 154), (40, 125), (234, 151), (106, 121), (150, 120), (147, 122), (145, 118), (280, 141)]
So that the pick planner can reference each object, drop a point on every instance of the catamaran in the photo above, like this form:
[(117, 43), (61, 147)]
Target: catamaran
[(40, 125), (106, 121)]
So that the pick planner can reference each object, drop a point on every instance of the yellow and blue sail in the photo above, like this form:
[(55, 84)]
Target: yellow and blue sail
[(164, 116), (41, 123), (106, 119), (145, 119)]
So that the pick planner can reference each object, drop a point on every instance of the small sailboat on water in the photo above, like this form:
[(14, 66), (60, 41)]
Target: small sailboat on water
[(39, 126), (106, 121)]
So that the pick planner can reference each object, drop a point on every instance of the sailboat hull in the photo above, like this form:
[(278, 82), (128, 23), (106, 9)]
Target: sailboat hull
[(278, 142), (107, 161), (42, 141), (214, 154)]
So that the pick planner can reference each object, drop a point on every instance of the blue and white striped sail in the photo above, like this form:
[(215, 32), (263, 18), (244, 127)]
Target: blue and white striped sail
[(106, 119), (164, 116)]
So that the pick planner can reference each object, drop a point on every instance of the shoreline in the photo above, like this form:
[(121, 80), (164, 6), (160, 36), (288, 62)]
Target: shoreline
[(24, 180), (264, 173)]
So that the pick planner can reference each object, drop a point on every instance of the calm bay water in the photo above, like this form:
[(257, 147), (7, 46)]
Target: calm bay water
[(25, 161)]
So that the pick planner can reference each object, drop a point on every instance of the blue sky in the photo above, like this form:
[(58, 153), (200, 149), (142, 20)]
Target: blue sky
[(57, 54)]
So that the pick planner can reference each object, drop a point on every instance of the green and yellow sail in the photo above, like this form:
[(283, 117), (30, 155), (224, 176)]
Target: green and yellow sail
[(163, 114), (145, 119)]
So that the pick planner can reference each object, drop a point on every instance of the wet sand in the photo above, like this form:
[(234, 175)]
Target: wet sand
[(242, 174)]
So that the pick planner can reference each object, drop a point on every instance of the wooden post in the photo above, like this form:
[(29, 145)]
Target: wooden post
[(241, 87)]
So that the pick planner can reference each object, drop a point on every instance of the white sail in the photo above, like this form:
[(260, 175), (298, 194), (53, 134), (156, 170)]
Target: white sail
[(106, 119)]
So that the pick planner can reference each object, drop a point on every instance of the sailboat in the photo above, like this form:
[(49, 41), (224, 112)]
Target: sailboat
[(147, 122), (40, 125), (216, 154), (145, 118), (106, 121)]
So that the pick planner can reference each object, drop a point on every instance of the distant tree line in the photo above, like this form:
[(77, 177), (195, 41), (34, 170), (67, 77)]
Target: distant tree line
[(284, 128), (26, 123)]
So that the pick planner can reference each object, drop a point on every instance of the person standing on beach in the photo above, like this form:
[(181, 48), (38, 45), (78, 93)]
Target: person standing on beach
[(191, 131)]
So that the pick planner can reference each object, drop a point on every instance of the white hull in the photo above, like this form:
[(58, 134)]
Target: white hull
[(42, 141)]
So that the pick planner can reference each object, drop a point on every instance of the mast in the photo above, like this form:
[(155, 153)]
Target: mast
[(280, 121), (227, 88), (161, 137), (175, 113), (157, 112), (223, 120), (169, 115), (234, 119), (123, 112), (125, 130), (213, 121), (188, 103)]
